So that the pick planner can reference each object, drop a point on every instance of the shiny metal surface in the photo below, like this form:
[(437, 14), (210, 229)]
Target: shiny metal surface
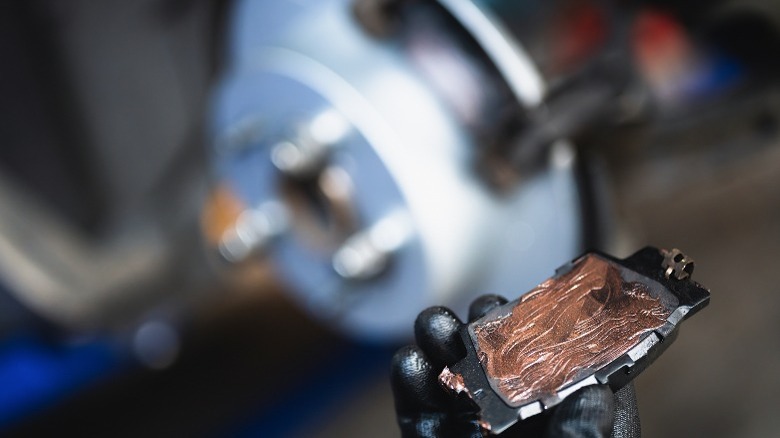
[(405, 154), (501, 47)]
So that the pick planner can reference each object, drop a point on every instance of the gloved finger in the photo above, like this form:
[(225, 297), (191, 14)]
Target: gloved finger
[(482, 305), (588, 412), (414, 383), (626, 413), (423, 426), (437, 333)]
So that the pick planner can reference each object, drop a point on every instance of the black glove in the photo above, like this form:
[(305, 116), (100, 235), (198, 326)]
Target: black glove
[(425, 409)]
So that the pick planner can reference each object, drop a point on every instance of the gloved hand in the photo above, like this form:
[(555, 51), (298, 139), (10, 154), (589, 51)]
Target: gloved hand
[(425, 409)]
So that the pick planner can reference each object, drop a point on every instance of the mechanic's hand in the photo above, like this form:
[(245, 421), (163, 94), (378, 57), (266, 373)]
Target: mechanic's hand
[(425, 409)]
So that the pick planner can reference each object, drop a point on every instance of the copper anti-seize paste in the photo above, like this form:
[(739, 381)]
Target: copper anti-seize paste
[(566, 328), (599, 320)]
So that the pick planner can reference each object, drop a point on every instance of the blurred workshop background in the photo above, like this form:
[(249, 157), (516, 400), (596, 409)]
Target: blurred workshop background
[(220, 218)]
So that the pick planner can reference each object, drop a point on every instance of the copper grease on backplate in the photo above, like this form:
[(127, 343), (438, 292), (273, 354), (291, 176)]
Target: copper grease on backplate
[(453, 381), (564, 329)]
